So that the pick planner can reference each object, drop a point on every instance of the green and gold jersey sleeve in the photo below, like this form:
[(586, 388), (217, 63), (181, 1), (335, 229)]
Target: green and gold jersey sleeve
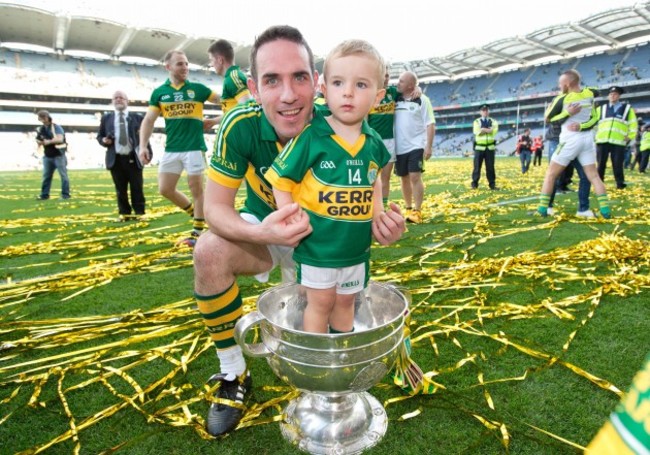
[(235, 88), (244, 149), (382, 117)]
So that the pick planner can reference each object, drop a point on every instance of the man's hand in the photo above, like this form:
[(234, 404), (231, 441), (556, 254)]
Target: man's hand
[(143, 154), (389, 226), (416, 93), (427, 153), (107, 141), (573, 108), (287, 226)]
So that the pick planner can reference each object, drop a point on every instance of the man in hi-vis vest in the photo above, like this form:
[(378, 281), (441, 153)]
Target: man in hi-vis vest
[(616, 128)]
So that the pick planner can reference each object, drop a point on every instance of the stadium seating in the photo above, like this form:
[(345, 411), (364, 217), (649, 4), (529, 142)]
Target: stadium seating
[(83, 88)]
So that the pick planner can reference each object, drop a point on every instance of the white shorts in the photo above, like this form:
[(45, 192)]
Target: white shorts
[(174, 162), (348, 280), (390, 145), (281, 255), (577, 145)]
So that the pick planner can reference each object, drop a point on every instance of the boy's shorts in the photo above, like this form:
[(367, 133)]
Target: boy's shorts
[(174, 162), (281, 255), (348, 280)]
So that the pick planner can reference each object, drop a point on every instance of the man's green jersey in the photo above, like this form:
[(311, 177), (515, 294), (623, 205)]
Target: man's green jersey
[(382, 117), (245, 148), (182, 109), (234, 88), (333, 182)]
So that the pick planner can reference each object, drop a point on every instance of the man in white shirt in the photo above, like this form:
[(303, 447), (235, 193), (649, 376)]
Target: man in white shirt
[(118, 133), (415, 127)]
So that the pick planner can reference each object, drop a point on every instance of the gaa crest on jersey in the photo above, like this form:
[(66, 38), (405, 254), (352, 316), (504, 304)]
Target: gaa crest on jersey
[(373, 169), (191, 94)]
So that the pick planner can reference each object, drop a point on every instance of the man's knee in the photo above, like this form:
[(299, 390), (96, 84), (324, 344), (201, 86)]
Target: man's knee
[(209, 250), (415, 178), (195, 183)]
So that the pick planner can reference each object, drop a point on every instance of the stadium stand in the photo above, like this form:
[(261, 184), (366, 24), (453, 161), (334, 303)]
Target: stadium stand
[(507, 74)]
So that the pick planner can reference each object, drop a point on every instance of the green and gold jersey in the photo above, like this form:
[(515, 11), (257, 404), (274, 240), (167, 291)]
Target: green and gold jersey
[(234, 88), (182, 109), (382, 117), (587, 117), (245, 148), (333, 181)]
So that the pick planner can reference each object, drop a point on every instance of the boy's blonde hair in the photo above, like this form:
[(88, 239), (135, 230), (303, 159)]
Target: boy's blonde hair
[(358, 47)]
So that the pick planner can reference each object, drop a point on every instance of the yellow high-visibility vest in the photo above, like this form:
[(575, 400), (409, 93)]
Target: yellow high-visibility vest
[(645, 141), (616, 126), (485, 141)]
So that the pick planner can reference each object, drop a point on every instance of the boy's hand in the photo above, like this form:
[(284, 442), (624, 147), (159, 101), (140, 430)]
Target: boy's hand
[(389, 226)]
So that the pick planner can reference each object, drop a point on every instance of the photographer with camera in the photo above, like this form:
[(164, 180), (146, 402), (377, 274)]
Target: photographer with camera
[(52, 138), (119, 133)]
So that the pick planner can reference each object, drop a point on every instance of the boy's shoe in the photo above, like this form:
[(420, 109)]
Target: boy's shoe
[(415, 217), (224, 416), (607, 214), (585, 214), (550, 211), (42, 198)]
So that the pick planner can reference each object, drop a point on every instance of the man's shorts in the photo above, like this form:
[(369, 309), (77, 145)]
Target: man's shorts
[(348, 280), (281, 255), (174, 162), (578, 146), (410, 162), (390, 145)]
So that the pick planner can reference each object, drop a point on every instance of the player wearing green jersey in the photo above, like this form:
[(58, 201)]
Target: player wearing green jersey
[(332, 170), (180, 102), (235, 89), (251, 243), (576, 142), (382, 119)]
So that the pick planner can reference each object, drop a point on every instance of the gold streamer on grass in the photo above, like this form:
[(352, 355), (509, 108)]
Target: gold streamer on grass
[(107, 352)]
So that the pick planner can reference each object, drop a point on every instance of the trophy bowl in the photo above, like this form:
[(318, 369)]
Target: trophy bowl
[(334, 414)]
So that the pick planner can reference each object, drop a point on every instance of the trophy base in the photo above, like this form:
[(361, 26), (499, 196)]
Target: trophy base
[(341, 424)]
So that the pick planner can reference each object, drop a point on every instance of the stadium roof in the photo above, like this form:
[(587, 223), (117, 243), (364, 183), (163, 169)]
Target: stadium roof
[(609, 30), (63, 33)]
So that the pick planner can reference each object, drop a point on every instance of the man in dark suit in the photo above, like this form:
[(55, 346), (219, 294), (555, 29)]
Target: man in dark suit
[(119, 133)]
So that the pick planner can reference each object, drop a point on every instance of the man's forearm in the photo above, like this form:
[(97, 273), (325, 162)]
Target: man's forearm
[(431, 134), (146, 130)]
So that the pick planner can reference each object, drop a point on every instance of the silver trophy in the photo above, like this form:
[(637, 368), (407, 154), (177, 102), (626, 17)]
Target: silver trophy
[(334, 414)]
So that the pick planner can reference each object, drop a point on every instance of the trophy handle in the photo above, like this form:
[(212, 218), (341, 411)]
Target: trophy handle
[(242, 327)]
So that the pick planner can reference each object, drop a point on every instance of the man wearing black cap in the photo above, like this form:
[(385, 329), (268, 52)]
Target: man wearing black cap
[(485, 131), (616, 128)]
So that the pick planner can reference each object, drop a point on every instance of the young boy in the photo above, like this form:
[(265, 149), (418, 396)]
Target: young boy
[(332, 170)]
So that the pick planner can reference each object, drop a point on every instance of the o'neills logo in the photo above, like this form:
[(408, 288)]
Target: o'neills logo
[(352, 204)]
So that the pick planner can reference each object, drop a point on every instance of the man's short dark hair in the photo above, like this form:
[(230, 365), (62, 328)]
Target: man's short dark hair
[(279, 32), (223, 48), (44, 114)]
